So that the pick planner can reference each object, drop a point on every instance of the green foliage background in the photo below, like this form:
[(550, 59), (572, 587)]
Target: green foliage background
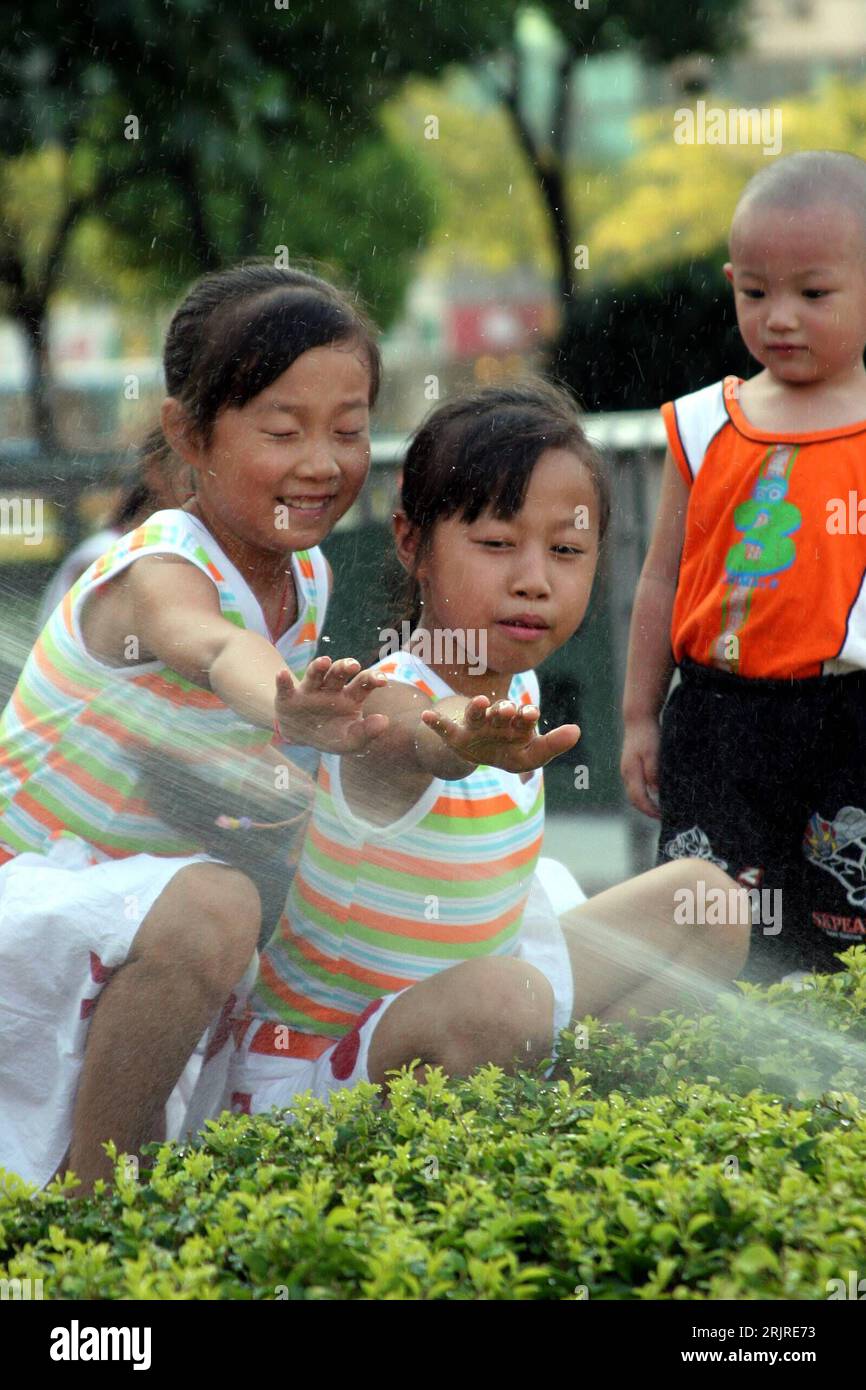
[(724, 1157)]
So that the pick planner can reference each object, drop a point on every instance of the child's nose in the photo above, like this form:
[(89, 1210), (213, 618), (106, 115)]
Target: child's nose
[(319, 457), (530, 579), (781, 313)]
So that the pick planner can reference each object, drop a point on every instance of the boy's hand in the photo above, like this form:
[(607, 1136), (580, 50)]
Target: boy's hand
[(324, 709), (639, 765), (501, 735)]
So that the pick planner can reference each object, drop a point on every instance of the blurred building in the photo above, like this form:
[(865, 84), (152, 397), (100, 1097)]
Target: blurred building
[(794, 47)]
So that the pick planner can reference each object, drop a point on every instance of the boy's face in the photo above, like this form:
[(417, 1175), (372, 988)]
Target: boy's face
[(799, 279)]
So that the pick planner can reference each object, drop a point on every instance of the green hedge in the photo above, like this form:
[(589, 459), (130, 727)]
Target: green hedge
[(724, 1156)]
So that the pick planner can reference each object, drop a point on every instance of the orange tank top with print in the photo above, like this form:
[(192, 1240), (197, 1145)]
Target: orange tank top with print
[(771, 580)]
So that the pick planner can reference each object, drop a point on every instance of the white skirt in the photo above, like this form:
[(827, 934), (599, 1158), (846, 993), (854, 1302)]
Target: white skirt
[(67, 921), (542, 942)]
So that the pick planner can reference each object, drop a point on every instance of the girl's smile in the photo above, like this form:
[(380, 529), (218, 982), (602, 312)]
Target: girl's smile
[(526, 627), (280, 471)]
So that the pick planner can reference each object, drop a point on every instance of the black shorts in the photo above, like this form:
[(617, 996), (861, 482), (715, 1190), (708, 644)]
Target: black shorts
[(767, 778)]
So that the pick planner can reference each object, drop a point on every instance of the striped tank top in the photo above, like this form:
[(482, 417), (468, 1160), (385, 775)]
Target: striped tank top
[(74, 730), (373, 909)]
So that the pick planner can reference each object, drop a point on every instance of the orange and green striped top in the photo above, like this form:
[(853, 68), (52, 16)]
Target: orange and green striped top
[(373, 909), (72, 734)]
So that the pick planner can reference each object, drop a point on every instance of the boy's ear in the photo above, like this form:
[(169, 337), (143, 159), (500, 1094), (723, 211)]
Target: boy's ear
[(729, 272), (406, 538), (177, 429)]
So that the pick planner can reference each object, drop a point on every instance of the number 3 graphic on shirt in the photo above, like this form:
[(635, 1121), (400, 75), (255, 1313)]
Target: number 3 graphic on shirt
[(767, 521)]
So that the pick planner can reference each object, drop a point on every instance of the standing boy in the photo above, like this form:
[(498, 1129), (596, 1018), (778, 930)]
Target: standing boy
[(753, 584)]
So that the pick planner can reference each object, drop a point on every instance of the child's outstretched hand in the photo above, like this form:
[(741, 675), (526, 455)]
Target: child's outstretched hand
[(501, 735), (324, 709)]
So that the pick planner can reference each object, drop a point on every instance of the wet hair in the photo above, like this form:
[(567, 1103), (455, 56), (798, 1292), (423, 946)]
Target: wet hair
[(239, 329), (477, 453), (134, 498), (806, 179)]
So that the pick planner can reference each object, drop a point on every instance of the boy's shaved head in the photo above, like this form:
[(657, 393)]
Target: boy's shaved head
[(810, 178), (798, 269)]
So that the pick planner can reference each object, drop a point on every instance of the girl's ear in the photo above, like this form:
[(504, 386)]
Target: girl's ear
[(406, 539), (178, 432), (729, 271)]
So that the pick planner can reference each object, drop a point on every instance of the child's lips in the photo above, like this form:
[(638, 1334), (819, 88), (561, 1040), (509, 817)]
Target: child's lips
[(524, 627)]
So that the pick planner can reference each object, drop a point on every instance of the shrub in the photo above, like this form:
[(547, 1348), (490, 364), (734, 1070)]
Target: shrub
[(722, 1157)]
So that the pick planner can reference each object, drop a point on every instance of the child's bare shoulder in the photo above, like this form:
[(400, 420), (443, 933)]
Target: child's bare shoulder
[(108, 617)]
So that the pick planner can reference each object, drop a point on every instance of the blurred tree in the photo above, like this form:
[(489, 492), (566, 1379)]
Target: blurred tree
[(198, 135), (472, 165), (654, 295), (662, 307), (660, 32)]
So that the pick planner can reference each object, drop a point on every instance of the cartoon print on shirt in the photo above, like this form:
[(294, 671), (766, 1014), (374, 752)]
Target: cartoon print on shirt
[(767, 521)]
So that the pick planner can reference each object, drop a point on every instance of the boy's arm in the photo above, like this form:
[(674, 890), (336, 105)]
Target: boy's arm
[(176, 616), (650, 663)]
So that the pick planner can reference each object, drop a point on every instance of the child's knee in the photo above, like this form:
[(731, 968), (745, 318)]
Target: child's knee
[(494, 1009), (727, 940), (501, 1012), (204, 927)]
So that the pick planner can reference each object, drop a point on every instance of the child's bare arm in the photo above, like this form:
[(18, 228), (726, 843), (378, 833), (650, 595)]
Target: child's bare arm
[(650, 664), (174, 611), (446, 740), (502, 734), (451, 737), (383, 781)]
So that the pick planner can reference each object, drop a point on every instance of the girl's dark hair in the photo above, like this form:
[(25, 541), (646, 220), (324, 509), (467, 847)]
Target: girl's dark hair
[(134, 496), (478, 451), (238, 329)]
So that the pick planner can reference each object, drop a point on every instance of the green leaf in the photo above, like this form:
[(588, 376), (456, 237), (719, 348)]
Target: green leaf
[(756, 1258)]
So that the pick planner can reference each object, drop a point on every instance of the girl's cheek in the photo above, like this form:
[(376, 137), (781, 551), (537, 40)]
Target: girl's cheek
[(358, 471)]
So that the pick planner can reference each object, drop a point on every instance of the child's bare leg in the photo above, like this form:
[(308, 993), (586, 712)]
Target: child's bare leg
[(628, 952), (494, 1009), (191, 949)]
